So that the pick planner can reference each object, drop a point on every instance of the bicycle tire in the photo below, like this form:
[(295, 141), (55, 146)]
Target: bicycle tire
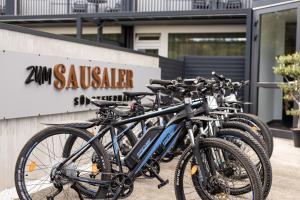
[(245, 128), (44, 134), (225, 145), (266, 176), (262, 130)]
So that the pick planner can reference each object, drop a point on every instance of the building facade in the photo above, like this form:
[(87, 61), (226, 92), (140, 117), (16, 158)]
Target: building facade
[(276, 31), (238, 38), (51, 78)]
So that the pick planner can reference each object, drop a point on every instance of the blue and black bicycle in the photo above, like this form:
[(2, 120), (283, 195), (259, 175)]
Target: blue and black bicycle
[(209, 168)]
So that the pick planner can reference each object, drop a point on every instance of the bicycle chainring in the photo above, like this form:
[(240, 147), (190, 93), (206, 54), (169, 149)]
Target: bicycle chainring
[(124, 182)]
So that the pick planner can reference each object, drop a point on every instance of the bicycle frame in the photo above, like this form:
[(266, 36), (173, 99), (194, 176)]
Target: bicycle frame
[(111, 127), (168, 136)]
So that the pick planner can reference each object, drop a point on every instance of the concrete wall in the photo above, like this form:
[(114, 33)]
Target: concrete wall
[(15, 132), (14, 41), (164, 31)]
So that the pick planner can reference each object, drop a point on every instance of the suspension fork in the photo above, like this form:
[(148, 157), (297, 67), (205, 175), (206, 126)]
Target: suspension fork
[(210, 155), (197, 154)]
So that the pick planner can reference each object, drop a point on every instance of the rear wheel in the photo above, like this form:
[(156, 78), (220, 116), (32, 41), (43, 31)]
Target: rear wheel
[(256, 153), (256, 124), (246, 129)]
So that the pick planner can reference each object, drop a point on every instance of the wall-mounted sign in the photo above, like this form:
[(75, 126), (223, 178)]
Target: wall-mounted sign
[(34, 85), (95, 77)]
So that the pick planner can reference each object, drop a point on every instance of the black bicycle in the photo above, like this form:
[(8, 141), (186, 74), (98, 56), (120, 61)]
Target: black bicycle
[(238, 133), (42, 171)]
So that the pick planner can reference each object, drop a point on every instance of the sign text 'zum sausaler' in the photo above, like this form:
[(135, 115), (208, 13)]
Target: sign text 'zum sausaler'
[(88, 77)]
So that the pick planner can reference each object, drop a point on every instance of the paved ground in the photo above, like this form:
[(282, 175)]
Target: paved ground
[(286, 177)]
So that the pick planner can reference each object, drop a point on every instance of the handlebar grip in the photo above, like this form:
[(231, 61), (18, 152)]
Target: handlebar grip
[(220, 77), (189, 81), (246, 82), (160, 82), (179, 79), (199, 78)]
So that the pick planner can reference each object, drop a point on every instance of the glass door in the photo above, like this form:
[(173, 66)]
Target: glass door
[(278, 35)]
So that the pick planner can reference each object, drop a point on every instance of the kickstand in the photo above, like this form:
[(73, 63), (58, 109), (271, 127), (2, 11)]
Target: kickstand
[(74, 187)]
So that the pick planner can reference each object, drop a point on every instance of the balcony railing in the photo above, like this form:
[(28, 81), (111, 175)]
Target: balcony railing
[(65, 7), (2, 7)]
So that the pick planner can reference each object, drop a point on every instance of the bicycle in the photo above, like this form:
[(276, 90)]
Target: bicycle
[(209, 156)]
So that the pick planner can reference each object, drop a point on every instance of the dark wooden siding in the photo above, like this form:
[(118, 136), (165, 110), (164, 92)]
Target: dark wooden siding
[(193, 66), (171, 69), (232, 67)]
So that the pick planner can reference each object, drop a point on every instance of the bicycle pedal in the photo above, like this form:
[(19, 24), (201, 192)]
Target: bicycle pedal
[(163, 183)]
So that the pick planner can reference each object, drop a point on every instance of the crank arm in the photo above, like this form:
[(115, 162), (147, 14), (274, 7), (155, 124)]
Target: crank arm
[(117, 194)]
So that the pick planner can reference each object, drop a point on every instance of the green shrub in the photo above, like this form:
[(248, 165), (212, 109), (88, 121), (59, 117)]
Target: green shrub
[(288, 66)]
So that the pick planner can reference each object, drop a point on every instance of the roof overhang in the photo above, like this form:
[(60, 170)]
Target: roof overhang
[(132, 18)]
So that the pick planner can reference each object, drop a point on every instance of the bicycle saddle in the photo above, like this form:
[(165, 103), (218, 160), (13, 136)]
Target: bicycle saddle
[(102, 103), (137, 94)]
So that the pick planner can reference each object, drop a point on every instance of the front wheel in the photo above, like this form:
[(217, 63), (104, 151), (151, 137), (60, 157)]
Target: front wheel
[(37, 172), (189, 179)]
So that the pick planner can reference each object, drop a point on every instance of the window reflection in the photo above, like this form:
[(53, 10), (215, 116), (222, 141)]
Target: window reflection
[(221, 44)]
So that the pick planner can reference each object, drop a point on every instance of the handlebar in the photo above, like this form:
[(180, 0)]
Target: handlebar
[(202, 85)]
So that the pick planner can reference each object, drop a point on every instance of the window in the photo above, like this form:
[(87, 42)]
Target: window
[(114, 39), (148, 37), (150, 51), (206, 44)]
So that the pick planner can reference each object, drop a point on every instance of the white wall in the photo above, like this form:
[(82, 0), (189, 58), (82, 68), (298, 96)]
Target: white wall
[(15, 41), (164, 30), (15, 132)]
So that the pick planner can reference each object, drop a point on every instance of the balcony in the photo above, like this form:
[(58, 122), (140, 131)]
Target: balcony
[(71, 7)]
